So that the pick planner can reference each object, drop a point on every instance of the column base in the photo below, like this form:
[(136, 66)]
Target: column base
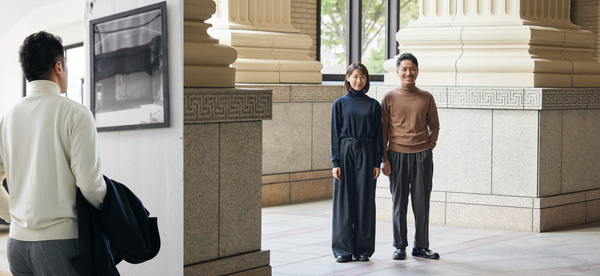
[(502, 212)]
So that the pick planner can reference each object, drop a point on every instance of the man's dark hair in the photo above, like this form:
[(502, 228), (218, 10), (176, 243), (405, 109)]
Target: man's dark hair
[(350, 70), (38, 54), (405, 56)]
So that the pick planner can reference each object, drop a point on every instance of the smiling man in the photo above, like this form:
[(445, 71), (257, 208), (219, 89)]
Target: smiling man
[(410, 132)]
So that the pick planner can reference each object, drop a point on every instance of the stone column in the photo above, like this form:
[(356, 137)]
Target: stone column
[(530, 43), (517, 93), (222, 140), (206, 62), (270, 49)]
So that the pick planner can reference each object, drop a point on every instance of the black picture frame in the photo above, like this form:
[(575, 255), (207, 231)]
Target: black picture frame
[(129, 83)]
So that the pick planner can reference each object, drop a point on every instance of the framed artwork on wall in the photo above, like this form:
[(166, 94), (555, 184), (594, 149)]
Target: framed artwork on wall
[(129, 84)]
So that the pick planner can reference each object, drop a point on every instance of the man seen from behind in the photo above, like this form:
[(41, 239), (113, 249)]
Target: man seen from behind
[(48, 149)]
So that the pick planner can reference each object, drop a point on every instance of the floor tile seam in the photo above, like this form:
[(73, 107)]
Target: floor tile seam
[(548, 271), (371, 267), (481, 242), (296, 231), (310, 214)]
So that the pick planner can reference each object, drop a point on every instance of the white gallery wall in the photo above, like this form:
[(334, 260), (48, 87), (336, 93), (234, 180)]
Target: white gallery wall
[(150, 161), (22, 18)]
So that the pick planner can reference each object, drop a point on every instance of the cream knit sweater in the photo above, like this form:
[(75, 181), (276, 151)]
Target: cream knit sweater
[(48, 148)]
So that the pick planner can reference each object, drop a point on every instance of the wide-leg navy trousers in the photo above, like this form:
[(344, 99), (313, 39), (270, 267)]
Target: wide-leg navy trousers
[(411, 173), (354, 200)]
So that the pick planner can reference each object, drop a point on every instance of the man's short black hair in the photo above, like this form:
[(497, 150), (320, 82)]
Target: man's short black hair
[(405, 56), (38, 54)]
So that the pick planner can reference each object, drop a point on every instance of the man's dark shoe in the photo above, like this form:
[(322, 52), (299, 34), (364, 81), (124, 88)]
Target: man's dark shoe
[(343, 259), (362, 258), (399, 254), (425, 253)]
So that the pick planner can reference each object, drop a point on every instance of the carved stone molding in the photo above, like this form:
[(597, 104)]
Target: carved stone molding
[(301, 93), (516, 98), (445, 97), (571, 98), (507, 98), (213, 105), (281, 93), (316, 93)]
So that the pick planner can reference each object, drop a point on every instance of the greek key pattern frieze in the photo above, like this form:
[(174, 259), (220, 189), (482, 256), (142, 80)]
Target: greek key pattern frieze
[(440, 95), (532, 98), (505, 98), (571, 98), (316, 93), (281, 93), (226, 105)]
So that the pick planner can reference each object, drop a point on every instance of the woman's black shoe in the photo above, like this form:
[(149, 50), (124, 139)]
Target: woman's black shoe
[(362, 258), (343, 259)]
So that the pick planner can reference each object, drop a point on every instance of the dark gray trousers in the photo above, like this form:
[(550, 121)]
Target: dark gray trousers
[(353, 229), (411, 173), (42, 258)]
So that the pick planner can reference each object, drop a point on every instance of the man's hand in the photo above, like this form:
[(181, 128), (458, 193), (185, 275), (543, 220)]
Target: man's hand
[(337, 173), (376, 172), (387, 170)]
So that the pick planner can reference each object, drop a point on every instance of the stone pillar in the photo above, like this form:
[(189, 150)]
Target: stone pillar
[(586, 13), (517, 93), (222, 140), (530, 43), (270, 49), (200, 67)]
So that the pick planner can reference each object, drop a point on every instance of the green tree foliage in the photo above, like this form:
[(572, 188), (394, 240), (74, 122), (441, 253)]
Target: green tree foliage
[(334, 27)]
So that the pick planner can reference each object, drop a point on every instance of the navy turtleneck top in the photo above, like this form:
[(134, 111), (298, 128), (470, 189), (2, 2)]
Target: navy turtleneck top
[(356, 115)]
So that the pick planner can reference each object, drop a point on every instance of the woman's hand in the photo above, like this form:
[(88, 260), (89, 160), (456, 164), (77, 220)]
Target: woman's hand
[(376, 173), (337, 173)]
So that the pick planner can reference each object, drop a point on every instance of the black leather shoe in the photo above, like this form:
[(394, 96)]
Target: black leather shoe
[(425, 253), (343, 259), (399, 254), (362, 258)]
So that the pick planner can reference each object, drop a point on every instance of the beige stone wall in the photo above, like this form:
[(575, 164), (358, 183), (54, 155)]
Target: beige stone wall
[(586, 13), (304, 18)]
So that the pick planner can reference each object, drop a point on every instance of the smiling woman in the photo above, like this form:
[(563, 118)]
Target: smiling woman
[(356, 153)]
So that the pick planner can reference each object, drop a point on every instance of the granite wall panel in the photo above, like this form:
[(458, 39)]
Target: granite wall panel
[(276, 193), (479, 216), (462, 157), (321, 135), (201, 192), (592, 211), (550, 158), (287, 140), (559, 217), (515, 153), (580, 150), (309, 189), (240, 190)]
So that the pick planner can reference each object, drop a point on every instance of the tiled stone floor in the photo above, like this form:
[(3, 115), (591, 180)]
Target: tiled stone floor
[(299, 238)]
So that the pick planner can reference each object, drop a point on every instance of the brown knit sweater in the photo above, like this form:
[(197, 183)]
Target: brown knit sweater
[(410, 120)]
